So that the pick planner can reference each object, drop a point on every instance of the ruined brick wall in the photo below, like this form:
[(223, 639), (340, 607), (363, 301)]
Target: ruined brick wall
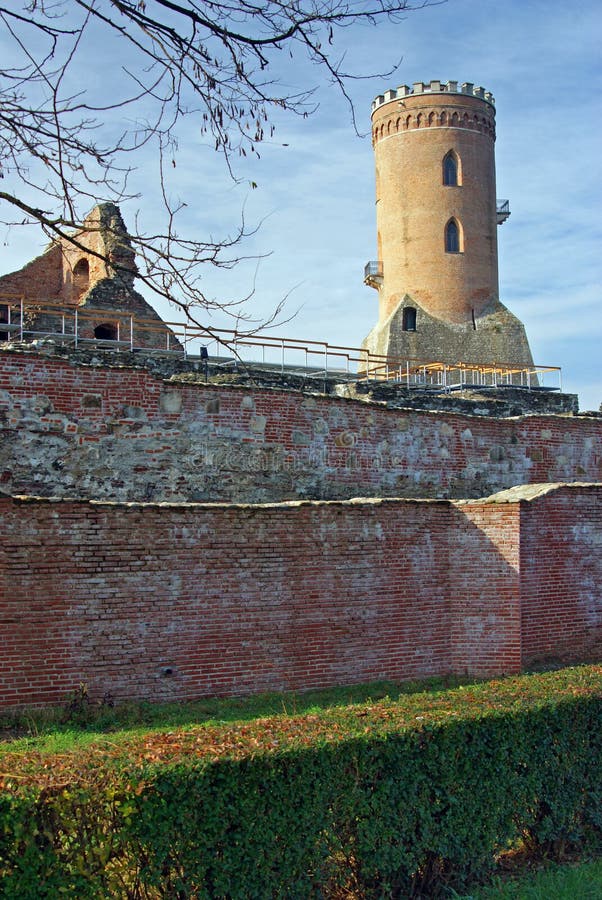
[(40, 279), (125, 434), (180, 601), (96, 276)]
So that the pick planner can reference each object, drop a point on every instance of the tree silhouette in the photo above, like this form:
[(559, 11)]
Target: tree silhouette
[(65, 143)]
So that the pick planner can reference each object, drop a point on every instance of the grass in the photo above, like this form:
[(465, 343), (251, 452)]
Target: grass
[(81, 721), (581, 881)]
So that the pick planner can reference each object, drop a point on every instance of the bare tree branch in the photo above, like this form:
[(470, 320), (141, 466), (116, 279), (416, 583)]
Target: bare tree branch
[(63, 146)]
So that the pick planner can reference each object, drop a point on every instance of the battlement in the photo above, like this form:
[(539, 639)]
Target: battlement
[(434, 87)]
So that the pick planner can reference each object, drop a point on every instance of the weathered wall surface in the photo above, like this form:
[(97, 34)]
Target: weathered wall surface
[(180, 601), (483, 550), (561, 576), (126, 434), (41, 279)]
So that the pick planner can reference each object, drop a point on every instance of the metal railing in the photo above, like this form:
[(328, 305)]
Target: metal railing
[(502, 208), (229, 348), (373, 273)]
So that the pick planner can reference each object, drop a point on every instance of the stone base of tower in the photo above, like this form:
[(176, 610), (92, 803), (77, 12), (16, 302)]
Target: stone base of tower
[(496, 337)]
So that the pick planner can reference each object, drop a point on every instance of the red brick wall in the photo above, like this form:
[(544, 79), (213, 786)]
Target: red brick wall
[(168, 601), (40, 279), (168, 440), (561, 575), (484, 592), (231, 599)]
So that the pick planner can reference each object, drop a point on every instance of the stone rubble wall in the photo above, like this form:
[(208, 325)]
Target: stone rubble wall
[(127, 434)]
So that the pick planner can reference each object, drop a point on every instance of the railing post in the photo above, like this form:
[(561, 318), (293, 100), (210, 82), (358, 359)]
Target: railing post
[(76, 327), (131, 333)]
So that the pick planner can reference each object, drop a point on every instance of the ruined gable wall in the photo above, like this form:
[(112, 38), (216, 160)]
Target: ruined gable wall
[(126, 434), (40, 279)]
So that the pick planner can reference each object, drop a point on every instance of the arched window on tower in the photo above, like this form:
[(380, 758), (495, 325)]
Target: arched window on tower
[(453, 237), (408, 321), (450, 169)]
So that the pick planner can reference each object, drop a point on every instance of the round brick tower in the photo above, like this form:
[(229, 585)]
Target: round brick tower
[(437, 217)]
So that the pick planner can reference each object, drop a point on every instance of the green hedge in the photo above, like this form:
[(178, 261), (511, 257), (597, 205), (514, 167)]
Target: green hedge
[(383, 799)]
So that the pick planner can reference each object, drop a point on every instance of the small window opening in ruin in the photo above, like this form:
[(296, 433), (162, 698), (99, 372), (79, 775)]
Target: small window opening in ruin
[(4, 335), (408, 322), (451, 169), (106, 332), (452, 237), (81, 277)]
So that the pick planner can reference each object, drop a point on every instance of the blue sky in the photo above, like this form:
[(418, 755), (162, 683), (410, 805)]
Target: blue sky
[(315, 196)]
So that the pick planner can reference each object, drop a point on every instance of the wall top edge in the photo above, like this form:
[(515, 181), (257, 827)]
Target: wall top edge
[(466, 89), (520, 493), (529, 492), (34, 500)]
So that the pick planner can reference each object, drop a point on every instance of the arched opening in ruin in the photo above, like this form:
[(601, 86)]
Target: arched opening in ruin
[(81, 277), (106, 332), (408, 320)]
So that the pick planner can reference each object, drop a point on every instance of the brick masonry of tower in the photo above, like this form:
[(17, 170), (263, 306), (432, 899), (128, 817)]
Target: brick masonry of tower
[(452, 289)]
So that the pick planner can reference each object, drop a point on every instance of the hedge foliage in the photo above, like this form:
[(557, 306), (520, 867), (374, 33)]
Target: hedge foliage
[(380, 799)]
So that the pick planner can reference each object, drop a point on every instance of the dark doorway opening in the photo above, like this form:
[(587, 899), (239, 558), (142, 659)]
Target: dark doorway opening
[(106, 332), (4, 335), (408, 322)]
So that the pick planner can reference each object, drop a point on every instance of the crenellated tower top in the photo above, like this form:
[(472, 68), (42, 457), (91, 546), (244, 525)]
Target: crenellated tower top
[(435, 104), (433, 87)]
